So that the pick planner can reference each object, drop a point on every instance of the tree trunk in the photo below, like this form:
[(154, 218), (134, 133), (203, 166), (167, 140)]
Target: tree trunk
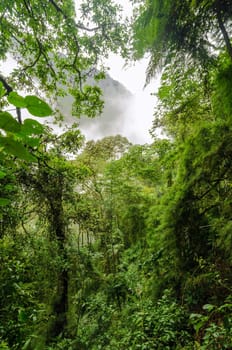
[(60, 305), (224, 33)]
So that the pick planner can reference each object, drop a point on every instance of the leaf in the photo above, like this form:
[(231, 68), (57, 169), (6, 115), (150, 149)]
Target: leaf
[(37, 107), (99, 76), (27, 344), (208, 307), (2, 90), (16, 148), (8, 123), (4, 202), (32, 141), (198, 321), (31, 126), (197, 326), (2, 174), (17, 100), (227, 306), (22, 316)]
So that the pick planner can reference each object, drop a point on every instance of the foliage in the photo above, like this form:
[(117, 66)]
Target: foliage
[(192, 31), (119, 246), (51, 40), (215, 325)]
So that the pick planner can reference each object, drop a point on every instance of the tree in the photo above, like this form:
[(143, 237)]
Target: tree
[(49, 44), (184, 101), (192, 30), (55, 47), (187, 223)]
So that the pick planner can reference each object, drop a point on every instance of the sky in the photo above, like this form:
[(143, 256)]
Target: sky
[(140, 111)]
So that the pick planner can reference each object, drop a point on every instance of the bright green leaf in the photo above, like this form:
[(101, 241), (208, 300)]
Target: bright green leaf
[(37, 107), (225, 306), (4, 202), (16, 148), (2, 174), (32, 141), (8, 123), (31, 126), (17, 100), (2, 90), (208, 307), (27, 345), (201, 323)]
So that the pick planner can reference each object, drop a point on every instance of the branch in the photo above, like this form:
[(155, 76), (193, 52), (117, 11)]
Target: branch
[(207, 209), (31, 65), (213, 183), (29, 8), (6, 85), (80, 26), (53, 73), (77, 25), (24, 228), (19, 116), (8, 91), (68, 19)]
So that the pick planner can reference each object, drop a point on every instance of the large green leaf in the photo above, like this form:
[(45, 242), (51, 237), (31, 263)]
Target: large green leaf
[(31, 126), (17, 100), (16, 148), (8, 123), (37, 107), (32, 141)]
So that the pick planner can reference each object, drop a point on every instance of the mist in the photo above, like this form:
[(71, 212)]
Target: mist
[(124, 113)]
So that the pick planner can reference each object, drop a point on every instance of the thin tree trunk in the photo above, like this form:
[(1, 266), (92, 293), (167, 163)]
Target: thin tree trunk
[(224, 33), (60, 305)]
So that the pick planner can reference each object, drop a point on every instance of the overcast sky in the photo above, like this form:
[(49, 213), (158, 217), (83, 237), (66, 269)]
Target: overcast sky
[(140, 112)]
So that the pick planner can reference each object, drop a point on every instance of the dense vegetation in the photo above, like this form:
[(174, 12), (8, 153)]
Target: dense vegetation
[(120, 246)]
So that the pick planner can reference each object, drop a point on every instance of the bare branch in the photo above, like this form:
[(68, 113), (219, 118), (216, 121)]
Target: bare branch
[(80, 26)]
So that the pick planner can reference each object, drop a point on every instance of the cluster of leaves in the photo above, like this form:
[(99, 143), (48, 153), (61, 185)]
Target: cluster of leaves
[(18, 136)]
